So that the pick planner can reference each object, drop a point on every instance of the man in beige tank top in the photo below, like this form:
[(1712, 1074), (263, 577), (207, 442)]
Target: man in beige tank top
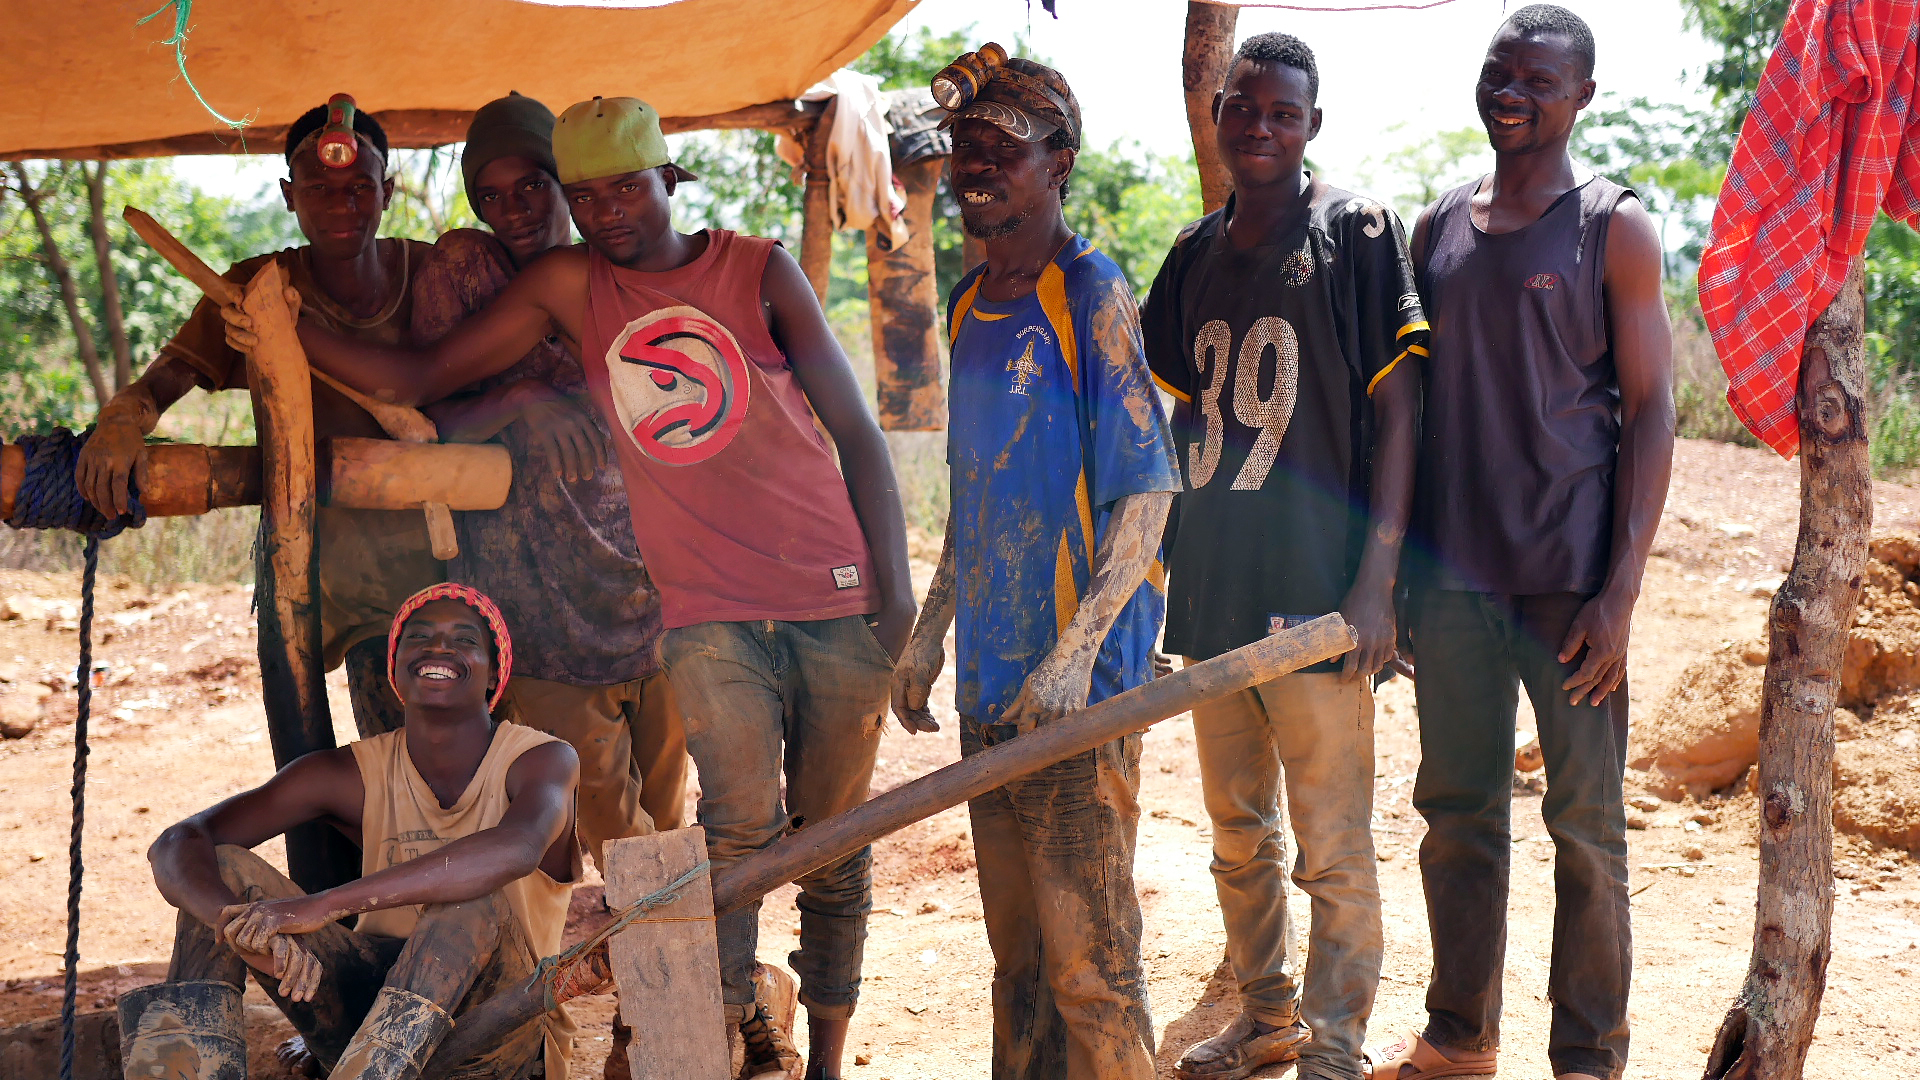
[(491, 803)]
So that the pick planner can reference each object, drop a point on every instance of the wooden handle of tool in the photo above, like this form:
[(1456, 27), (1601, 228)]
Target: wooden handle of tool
[(398, 421), (822, 842), (446, 543)]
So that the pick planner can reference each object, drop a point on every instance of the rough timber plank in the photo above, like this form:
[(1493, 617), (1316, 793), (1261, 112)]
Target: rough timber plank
[(667, 966)]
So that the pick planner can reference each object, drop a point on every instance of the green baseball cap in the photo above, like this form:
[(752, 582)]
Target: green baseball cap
[(609, 136)]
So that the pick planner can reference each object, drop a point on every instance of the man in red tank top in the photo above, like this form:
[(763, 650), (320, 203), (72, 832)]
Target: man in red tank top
[(784, 585)]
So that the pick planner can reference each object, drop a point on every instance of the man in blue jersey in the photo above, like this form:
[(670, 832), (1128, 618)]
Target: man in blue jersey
[(1061, 481)]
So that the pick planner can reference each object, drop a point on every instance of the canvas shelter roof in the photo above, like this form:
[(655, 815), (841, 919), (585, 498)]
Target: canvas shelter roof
[(82, 79)]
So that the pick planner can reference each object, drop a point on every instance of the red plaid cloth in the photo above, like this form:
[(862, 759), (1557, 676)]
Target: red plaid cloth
[(1833, 132)]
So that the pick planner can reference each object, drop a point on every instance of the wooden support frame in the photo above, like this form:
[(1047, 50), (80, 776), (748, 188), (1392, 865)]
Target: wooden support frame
[(816, 210), (1767, 1031), (1203, 68), (903, 298)]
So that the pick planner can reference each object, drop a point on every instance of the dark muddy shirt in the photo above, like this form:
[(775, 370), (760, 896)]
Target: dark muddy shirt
[(559, 556), (1521, 428), (1271, 353)]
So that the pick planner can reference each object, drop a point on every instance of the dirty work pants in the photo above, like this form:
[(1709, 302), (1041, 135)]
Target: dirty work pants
[(632, 748), (804, 700), (1311, 734), (458, 956), (1055, 852), (1473, 652)]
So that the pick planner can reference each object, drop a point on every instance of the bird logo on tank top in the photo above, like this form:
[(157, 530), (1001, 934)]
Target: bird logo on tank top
[(680, 385)]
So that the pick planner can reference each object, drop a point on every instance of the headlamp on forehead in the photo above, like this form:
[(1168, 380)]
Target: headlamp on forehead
[(959, 82), (339, 144)]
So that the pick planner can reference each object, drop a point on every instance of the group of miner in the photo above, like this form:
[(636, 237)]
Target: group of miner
[(1460, 441)]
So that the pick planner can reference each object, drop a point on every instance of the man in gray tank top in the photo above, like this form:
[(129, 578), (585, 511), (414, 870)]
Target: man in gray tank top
[(1543, 467)]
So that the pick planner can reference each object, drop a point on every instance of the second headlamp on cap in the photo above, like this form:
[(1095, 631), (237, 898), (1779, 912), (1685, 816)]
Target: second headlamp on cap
[(959, 82)]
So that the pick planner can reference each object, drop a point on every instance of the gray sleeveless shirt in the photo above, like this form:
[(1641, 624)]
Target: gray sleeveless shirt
[(1521, 428)]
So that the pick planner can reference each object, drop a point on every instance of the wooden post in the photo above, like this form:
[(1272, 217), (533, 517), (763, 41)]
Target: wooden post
[(1203, 68), (816, 220), (1766, 1033), (667, 964), (904, 300), (286, 572)]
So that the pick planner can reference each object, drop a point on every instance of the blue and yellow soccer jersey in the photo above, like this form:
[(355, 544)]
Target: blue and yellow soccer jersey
[(1054, 419)]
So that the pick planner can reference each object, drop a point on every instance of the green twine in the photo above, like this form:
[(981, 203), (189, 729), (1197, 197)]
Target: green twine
[(182, 12)]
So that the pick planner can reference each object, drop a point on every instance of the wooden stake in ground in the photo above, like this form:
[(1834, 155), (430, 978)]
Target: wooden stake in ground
[(1766, 1033), (905, 303), (816, 207), (1203, 68)]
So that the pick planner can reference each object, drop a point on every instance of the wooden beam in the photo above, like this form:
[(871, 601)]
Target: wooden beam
[(816, 213), (1203, 68), (407, 129), (905, 304), (667, 964), (1767, 1031)]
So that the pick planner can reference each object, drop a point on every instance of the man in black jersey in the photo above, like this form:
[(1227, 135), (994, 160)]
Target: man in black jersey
[(1287, 327)]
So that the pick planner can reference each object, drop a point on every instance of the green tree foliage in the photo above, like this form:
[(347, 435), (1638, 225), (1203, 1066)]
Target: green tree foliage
[(1416, 174), (1744, 31)]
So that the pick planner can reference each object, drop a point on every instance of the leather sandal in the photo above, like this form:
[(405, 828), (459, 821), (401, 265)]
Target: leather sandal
[(1241, 1049), (1414, 1052)]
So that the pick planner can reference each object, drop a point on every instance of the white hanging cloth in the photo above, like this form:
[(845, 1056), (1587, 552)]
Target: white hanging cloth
[(862, 191)]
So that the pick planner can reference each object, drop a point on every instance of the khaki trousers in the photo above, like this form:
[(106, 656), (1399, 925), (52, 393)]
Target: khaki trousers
[(1315, 730), (632, 746)]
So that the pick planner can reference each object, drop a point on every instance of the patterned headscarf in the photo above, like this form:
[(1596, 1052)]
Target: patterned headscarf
[(473, 598)]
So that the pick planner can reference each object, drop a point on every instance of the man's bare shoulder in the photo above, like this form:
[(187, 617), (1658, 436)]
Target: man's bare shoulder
[(549, 763)]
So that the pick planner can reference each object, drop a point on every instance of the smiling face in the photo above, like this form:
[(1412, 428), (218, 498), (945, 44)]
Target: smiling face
[(338, 209), (1002, 181), (444, 658), (523, 206), (1264, 119), (621, 216), (1531, 91)]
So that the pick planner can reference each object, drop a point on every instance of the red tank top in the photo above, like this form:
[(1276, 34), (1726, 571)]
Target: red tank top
[(738, 507)]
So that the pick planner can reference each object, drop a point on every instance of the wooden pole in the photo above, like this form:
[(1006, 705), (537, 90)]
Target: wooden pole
[(822, 842), (1767, 1031), (906, 330), (287, 573), (1203, 69), (816, 211)]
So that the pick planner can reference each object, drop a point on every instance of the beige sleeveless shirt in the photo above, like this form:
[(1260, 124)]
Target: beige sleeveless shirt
[(402, 820)]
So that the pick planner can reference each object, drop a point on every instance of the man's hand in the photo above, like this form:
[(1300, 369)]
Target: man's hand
[(1369, 610), (1602, 627), (1057, 687), (913, 677), (106, 462), (893, 624), (563, 431), (265, 930), (241, 336)]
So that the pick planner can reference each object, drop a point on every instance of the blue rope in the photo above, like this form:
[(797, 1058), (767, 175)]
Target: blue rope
[(50, 499)]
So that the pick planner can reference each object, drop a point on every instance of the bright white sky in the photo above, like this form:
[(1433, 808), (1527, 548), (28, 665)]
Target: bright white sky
[(1387, 78)]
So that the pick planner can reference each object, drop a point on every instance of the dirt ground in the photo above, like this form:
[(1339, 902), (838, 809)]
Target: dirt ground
[(178, 726)]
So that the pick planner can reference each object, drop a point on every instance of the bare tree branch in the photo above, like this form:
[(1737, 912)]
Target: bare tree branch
[(109, 280), (63, 277)]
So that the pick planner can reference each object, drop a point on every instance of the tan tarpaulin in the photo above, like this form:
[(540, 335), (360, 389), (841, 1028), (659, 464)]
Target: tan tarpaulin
[(78, 78)]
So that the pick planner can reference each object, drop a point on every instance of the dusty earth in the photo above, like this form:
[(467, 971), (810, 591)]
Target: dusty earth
[(179, 726)]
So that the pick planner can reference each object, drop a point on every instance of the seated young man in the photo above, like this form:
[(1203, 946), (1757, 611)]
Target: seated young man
[(491, 803), (361, 285), (783, 579)]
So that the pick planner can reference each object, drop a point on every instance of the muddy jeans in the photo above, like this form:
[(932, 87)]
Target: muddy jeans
[(1055, 851), (817, 691), (1473, 652), (1311, 734), (458, 956), (632, 747)]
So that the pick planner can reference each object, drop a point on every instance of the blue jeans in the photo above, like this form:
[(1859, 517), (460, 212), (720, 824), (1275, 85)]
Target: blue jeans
[(1473, 652), (805, 700)]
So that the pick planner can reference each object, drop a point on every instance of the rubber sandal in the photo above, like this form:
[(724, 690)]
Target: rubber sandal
[(1426, 1061)]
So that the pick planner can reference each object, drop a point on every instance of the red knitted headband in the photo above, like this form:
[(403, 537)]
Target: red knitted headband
[(473, 598)]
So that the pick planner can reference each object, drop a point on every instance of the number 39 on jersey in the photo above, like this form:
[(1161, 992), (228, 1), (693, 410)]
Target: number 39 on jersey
[(1267, 357)]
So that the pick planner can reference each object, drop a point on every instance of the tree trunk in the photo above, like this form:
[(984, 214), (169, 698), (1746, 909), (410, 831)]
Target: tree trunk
[(63, 277), (1203, 69), (816, 212), (1766, 1033), (109, 279)]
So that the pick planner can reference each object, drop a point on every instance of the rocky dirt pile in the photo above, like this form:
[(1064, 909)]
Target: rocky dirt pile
[(1705, 736)]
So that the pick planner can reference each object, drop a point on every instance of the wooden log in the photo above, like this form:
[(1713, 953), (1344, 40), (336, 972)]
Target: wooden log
[(409, 129), (822, 842), (905, 303), (181, 479), (380, 474), (1203, 69), (287, 574), (816, 210), (1767, 1031), (667, 964)]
